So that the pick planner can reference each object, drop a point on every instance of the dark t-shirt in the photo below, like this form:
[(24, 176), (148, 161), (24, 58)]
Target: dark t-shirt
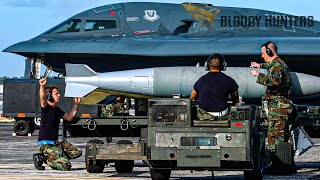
[(213, 90), (50, 120)]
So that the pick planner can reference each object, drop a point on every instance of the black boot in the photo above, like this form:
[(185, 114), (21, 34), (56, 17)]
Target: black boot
[(38, 160)]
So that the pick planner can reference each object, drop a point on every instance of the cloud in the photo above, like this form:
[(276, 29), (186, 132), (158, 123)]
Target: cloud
[(24, 3)]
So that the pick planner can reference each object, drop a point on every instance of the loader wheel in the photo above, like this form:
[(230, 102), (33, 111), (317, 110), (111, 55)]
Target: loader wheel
[(93, 166), (160, 174), (252, 174), (257, 158), (124, 166), (23, 127)]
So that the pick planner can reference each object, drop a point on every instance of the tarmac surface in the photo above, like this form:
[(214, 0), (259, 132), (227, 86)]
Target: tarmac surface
[(16, 163)]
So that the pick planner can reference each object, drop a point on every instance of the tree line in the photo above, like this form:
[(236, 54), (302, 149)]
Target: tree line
[(5, 77)]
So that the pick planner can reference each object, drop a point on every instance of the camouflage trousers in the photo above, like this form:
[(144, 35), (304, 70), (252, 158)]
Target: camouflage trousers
[(205, 116), (57, 156), (112, 110), (279, 122)]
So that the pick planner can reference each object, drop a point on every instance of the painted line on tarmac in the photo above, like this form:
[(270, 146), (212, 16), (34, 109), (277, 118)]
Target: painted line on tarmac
[(14, 165), (52, 177)]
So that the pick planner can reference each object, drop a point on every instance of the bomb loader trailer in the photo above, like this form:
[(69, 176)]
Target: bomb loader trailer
[(176, 141), (122, 153), (172, 139)]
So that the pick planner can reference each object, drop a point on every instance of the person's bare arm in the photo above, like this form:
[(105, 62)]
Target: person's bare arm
[(69, 116), (259, 65), (193, 95), (42, 92), (255, 65)]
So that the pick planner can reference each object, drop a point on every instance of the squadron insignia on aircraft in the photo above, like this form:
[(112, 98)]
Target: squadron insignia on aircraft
[(151, 15)]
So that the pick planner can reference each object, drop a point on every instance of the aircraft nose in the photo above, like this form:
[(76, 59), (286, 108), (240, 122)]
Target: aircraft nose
[(15, 48), (7, 49)]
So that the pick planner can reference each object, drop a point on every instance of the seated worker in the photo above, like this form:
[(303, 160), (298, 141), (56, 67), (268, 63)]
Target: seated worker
[(214, 89)]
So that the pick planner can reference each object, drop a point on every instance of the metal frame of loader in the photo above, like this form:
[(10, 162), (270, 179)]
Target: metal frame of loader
[(159, 158), (171, 138), (176, 141), (122, 153)]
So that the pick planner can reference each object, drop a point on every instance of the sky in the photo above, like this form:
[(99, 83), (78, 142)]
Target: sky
[(24, 19)]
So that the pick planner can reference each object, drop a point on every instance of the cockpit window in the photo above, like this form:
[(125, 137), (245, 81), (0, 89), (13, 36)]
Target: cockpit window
[(72, 25), (94, 25)]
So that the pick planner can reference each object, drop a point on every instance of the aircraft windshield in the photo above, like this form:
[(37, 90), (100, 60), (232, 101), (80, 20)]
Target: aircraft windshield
[(94, 25), (72, 25)]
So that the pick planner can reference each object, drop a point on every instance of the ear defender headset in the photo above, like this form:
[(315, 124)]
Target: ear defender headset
[(223, 63), (49, 95), (268, 50)]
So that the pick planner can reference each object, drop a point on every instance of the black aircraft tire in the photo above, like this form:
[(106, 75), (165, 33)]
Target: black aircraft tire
[(160, 174), (124, 166), (22, 128), (99, 167)]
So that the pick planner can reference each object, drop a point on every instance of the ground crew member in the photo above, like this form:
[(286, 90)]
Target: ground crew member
[(278, 94), (52, 152), (115, 108), (214, 89)]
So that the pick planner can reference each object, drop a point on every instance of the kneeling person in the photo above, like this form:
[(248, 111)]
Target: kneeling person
[(52, 152), (213, 90)]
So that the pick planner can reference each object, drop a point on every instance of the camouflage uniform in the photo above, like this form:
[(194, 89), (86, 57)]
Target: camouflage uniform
[(58, 155), (112, 110), (278, 95), (205, 116)]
